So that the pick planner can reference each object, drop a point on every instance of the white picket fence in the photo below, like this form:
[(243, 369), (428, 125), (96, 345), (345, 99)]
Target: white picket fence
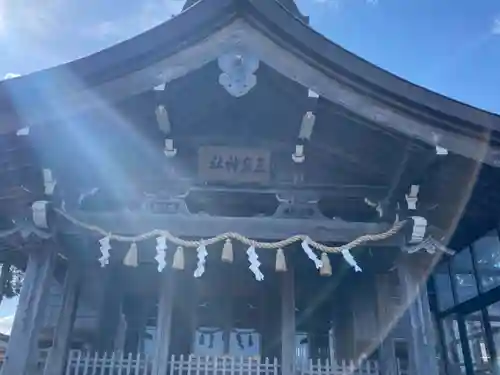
[(80, 363), (324, 367)]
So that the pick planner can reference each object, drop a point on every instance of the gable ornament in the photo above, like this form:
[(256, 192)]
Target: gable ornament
[(238, 68)]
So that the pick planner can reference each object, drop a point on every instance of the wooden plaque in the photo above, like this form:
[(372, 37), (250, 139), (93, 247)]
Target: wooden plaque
[(238, 165)]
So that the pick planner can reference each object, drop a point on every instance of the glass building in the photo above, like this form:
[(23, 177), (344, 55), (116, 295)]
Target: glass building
[(465, 291)]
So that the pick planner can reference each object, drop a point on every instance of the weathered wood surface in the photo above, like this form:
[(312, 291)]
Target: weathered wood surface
[(288, 324), (413, 272), (386, 318), (110, 309), (164, 322), (67, 314), (280, 54), (21, 353), (199, 226)]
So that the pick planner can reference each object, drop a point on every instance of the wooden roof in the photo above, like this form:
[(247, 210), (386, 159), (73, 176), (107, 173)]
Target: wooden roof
[(201, 33), (374, 134)]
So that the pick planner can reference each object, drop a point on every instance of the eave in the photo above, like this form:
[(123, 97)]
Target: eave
[(210, 28)]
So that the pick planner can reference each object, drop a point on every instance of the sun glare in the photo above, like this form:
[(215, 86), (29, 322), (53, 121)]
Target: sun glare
[(3, 5)]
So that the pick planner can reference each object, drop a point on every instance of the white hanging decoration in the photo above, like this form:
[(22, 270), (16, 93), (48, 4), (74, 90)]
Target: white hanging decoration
[(48, 181), (104, 247), (312, 94), (39, 209), (418, 230), (202, 255), (163, 119), (307, 125), (170, 151), (161, 248), (441, 151), (160, 87), (412, 197), (378, 206), (350, 259), (253, 258), (298, 156), (311, 254), (132, 257), (430, 245), (87, 194)]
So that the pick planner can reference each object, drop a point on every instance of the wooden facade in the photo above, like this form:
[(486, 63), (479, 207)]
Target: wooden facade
[(233, 117)]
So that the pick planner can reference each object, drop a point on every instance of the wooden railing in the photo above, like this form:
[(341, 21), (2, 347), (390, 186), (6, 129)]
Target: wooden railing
[(80, 363)]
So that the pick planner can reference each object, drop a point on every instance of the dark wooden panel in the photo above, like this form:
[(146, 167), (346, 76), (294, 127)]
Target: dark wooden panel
[(200, 226)]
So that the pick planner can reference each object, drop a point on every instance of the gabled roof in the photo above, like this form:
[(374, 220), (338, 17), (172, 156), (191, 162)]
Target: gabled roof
[(277, 37), (288, 4)]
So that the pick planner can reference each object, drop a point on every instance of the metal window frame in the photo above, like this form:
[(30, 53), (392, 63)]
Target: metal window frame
[(459, 310)]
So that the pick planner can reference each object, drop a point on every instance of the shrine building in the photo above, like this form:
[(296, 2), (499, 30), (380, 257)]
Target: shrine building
[(230, 193)]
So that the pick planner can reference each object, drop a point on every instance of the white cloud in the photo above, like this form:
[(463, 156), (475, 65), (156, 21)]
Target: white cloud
[(338, 3), (6, 324), (3, 8), (11, 75), (36, 19), (151, 14), (495, 29)]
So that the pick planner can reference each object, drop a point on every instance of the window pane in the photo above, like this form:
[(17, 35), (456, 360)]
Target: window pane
[(442, 281), (487, 256), (494, 318), (476, 339), (463, 274), (453, 346)]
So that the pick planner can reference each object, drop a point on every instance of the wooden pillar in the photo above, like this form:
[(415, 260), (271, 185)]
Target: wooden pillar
[(227, 306), (271, 316), (60, 345), (344, 326), (181, 334), (109, 312), (386, 319), (421, 336), (136, 310), (288, 323), (164, 322), (121, 332), (21, 353)]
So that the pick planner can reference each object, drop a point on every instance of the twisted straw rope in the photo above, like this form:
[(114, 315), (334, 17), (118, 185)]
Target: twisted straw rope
[(236, 236)]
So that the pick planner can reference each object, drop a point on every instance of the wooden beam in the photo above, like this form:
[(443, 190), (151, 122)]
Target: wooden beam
[(164, 322), (413, 272), (21, 355), (288, 323), (204, 226), (60, 345), (325, 191)]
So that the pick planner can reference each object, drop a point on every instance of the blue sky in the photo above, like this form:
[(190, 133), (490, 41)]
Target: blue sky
[(449, 46)]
